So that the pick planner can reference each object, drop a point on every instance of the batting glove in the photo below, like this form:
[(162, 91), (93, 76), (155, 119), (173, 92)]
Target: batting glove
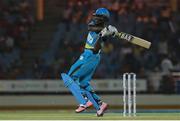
[(109, 31)]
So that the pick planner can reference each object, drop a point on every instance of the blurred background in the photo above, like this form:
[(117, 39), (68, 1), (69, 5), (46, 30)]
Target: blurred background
[(39, 39)]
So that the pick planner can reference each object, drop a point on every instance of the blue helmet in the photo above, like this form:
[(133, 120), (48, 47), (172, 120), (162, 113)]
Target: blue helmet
[(103, 12)]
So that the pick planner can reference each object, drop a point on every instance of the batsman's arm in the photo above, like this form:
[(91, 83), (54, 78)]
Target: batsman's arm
[(134, 39)]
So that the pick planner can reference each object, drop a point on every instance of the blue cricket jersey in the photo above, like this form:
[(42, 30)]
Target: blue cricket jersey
[(94, 42)]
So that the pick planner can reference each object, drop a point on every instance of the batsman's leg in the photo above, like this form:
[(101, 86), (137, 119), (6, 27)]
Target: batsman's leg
[(84, 74), (74, 88), (80, 69), (85, 84)]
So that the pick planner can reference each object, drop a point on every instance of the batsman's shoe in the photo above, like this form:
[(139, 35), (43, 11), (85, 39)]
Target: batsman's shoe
[(83, 107), (89, 104), (102, 109)]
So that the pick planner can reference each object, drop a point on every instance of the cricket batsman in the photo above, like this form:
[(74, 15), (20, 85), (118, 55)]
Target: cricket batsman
[(77, 80)]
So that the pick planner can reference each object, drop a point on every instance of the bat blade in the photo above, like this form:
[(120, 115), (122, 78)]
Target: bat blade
[(141, 42), (134, 40)]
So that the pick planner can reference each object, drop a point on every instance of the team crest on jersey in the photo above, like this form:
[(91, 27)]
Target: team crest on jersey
[(90, 38)]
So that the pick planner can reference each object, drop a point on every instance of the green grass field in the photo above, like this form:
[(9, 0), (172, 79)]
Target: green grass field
[(70, 115)]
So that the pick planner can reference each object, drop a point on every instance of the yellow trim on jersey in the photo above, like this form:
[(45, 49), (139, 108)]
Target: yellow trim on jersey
[(87, 46)]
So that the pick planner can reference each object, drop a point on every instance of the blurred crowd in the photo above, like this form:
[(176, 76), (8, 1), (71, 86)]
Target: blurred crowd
[(15, 23), (157, 24)]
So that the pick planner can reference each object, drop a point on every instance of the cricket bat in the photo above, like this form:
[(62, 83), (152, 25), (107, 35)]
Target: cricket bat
[(134, 40)]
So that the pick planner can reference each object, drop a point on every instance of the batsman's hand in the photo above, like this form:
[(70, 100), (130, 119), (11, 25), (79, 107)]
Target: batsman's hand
[(108, 31)]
